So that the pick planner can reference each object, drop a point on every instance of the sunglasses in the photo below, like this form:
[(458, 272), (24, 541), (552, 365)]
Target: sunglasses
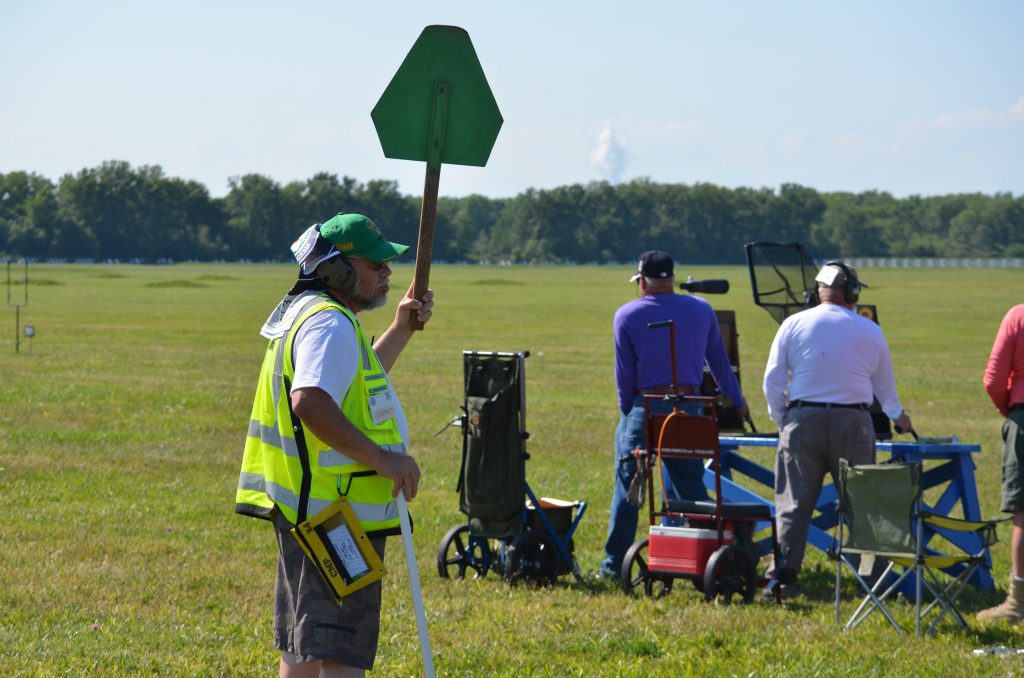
[(372, 265)]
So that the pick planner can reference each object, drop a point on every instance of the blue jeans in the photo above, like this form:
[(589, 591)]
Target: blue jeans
[(683, 479)]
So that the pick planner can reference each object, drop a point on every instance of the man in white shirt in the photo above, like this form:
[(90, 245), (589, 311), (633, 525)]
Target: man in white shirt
[(834, 361)]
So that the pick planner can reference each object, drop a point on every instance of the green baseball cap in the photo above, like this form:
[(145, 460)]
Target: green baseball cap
[(354, 234)]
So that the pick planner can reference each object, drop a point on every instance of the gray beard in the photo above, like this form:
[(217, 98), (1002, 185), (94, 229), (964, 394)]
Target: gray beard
[(367, 302), (377, 302)]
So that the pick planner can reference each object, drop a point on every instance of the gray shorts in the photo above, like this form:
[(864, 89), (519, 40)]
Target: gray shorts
[(308, 622), (1013, 463)]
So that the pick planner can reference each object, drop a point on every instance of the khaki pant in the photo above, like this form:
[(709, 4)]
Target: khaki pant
[(811, 443)]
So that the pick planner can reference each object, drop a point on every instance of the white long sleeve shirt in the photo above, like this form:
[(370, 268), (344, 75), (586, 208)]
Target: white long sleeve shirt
[(829, 354)]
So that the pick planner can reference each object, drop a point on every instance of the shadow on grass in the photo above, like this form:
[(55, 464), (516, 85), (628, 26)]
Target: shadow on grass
[(818, 582), (682, 589), (994, 635)]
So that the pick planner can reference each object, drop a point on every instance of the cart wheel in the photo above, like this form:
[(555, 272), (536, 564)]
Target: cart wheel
[(729, 572), (635, 573), (531, 558), (459, 550)]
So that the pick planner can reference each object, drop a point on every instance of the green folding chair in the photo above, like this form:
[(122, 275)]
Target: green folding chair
[(880, 516)]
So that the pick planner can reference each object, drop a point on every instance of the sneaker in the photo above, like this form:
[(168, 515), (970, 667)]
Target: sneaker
[(605, 574), (784, 591)]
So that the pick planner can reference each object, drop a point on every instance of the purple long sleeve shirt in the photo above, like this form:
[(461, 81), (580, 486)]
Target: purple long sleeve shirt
[(642, 357)]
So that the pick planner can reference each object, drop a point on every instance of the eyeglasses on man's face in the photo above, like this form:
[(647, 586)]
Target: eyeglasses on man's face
[(371, 265)]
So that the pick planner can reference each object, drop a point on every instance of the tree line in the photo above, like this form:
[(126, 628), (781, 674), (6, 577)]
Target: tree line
[(116, 211)]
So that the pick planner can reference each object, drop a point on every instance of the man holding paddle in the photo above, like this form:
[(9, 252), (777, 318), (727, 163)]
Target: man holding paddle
[(327, 422)]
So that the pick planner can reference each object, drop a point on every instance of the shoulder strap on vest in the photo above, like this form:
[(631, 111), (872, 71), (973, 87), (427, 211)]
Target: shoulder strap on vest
[(307, 311), (321, 302)]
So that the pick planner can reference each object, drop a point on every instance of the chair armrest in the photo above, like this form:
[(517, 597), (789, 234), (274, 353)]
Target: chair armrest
[(986, 529), (959, 524)]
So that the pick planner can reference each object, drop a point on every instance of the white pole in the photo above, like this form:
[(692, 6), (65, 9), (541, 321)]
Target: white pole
[(414, 585)]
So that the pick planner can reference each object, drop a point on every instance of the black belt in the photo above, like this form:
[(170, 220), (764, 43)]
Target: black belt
[(829, 406), (1015, 408), (666, 390)]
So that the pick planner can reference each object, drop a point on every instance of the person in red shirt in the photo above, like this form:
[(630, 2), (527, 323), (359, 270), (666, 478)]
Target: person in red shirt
[(1004, 382)]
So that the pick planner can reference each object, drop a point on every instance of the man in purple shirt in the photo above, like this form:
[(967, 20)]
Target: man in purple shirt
[(643, 365)]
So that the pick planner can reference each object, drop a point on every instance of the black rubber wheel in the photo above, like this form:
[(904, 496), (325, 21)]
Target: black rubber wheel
[(635, 574), (460, 551), (531, 559), (729, 573)]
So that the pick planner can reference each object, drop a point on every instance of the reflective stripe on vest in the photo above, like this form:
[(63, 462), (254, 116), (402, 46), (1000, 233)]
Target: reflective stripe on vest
[(255, 482), (335, 458), (329, 457), (272, 469)]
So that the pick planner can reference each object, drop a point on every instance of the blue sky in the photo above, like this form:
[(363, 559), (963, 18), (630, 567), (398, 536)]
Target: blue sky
[(907, 97)]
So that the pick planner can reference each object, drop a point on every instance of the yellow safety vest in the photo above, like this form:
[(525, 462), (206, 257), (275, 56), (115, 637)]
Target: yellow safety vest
[(286, 466)]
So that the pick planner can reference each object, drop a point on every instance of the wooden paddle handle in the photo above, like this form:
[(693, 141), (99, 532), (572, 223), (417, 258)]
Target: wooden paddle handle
[(428, 209), (425, 242)]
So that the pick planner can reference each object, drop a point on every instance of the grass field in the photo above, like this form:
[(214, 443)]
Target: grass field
[(121, 430)]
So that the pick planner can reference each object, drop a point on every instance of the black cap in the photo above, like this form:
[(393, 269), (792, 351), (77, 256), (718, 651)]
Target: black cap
[(653, 264)]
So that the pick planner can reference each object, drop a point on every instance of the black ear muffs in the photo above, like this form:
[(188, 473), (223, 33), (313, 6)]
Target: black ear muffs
[(337, 274), (851, 286)]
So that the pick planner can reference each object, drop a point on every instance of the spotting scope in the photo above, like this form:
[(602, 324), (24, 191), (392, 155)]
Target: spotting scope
[(705, 286)]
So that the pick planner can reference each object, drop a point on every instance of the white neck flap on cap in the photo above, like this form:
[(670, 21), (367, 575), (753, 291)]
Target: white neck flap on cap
[(311, 248)]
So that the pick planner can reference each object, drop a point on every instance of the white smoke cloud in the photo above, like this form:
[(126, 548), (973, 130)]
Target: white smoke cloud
[(609, 156)]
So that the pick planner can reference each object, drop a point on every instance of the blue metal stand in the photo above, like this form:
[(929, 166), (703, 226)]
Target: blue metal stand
[(948, 466)]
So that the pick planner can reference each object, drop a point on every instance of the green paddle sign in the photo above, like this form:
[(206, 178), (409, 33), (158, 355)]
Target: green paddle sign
[(438, 108)]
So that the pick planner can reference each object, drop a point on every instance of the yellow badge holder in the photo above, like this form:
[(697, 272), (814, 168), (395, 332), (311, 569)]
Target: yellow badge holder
[(339, 548)]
